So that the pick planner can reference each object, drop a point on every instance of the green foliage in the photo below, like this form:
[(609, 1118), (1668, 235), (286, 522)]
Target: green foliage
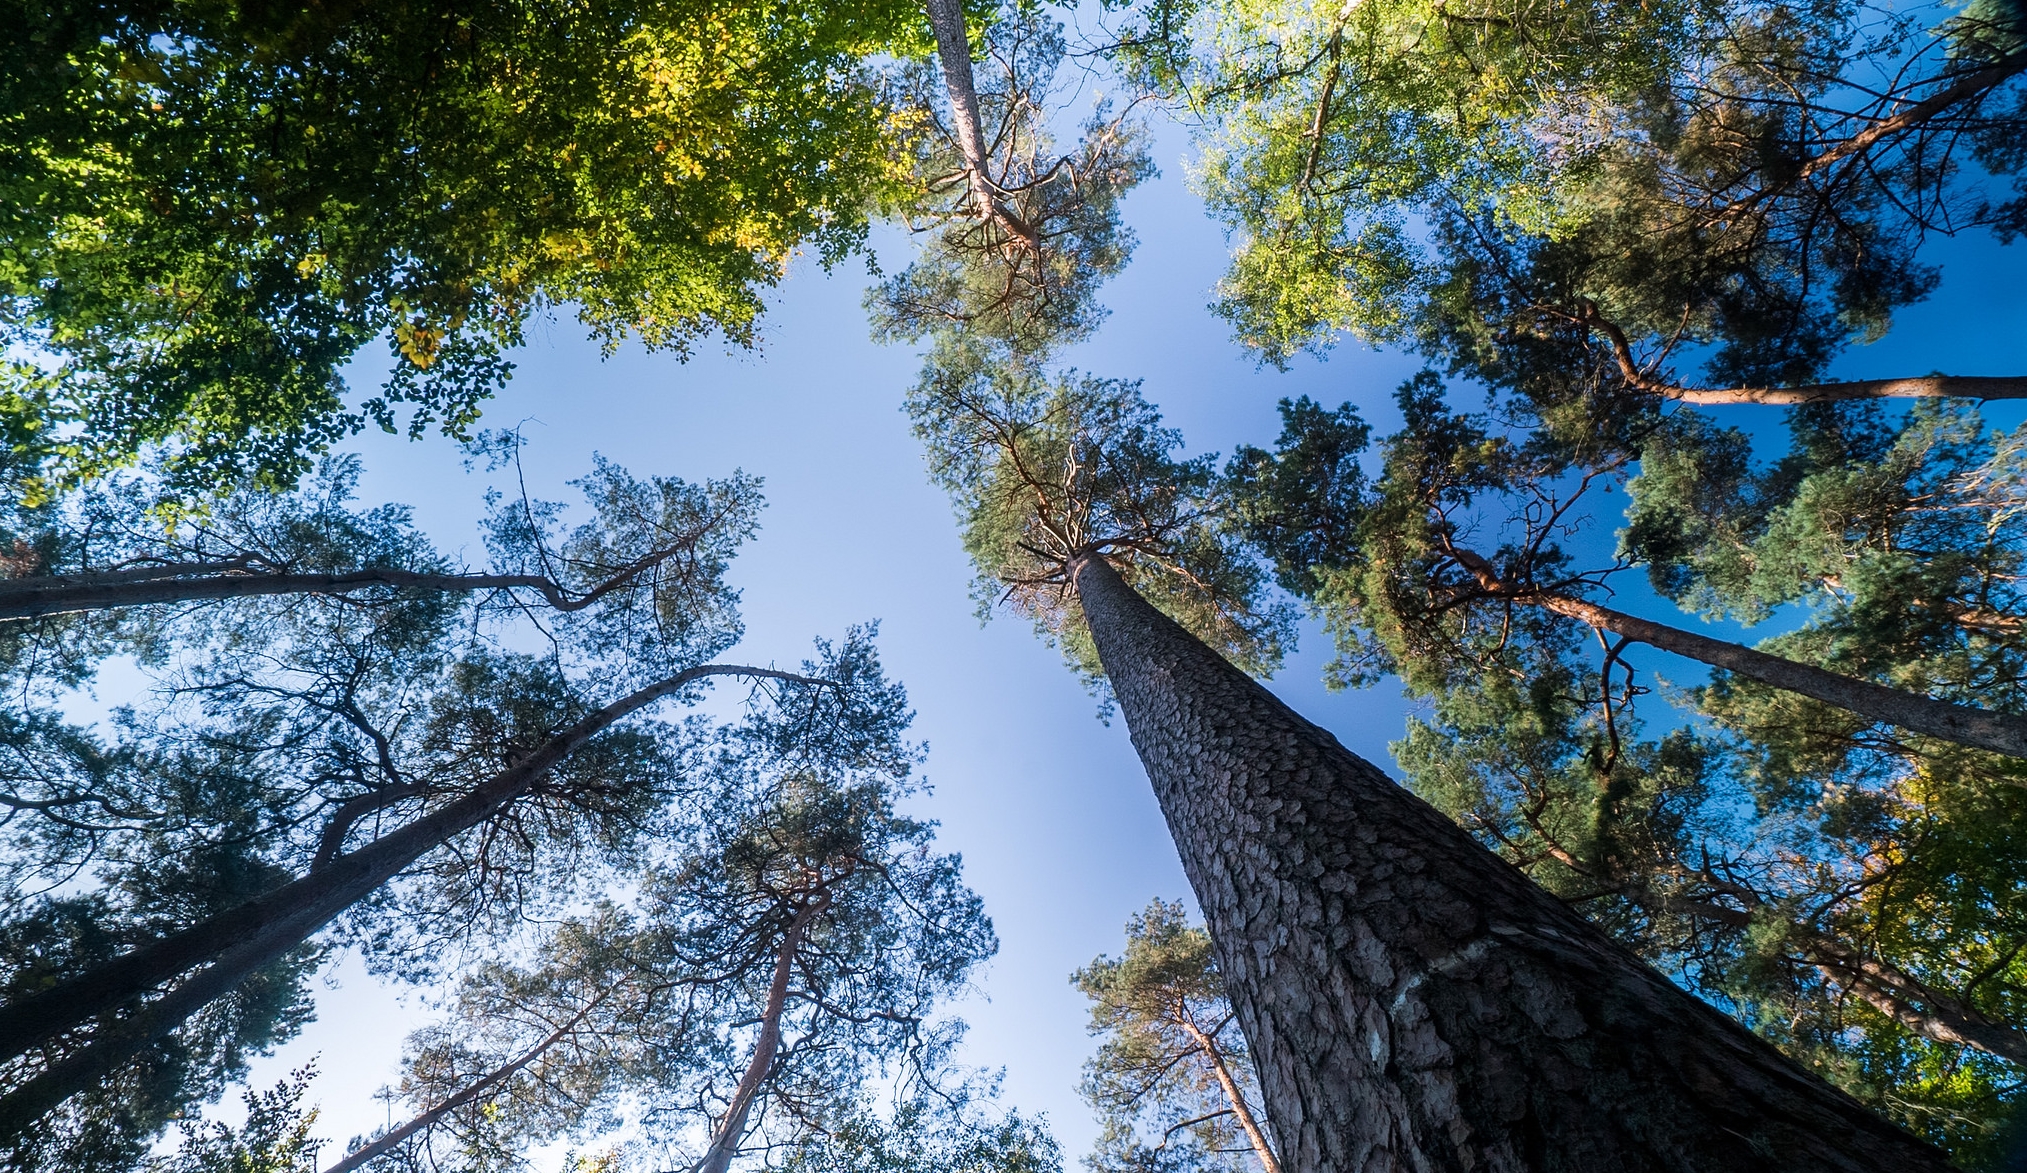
[(932, 1132), (211, 208), (280, 731), (1166, 1024), (650, 1009), (1044, 470), (1517, 189), (1847, 889), (974, 278), (274, 1139)]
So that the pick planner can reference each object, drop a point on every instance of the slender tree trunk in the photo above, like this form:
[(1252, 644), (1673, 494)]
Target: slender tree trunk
[(1411, 1001), (732, 1129), (1999, 733), (261, 931), (1926, 387), (1233, 1096), (1923, 387), (953, 52), (465, 1095)]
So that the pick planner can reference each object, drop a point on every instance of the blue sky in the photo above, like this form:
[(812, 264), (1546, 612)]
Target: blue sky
[(1049, 807)]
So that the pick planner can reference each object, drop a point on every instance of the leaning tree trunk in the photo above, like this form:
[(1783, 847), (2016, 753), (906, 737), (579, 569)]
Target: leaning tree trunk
[(260, 932), (1968, 725), (1411, 1001), (766, 1047)]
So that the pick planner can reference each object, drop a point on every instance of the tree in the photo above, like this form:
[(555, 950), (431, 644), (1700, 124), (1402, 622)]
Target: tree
[(1015, 237), (1407, 998), (481, 777), (1744, 182), (783, 959), (1778, 861), (210, 210), (1169, 1057)]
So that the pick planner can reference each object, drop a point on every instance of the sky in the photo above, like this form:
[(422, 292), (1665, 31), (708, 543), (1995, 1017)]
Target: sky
[(1048, 805)]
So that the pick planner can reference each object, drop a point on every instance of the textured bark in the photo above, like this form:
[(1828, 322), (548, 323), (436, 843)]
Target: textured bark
[(732, 1129), (1411, 1001), (261, 931)]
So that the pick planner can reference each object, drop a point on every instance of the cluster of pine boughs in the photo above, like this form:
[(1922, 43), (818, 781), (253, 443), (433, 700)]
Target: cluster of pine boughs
[(1629, 241)]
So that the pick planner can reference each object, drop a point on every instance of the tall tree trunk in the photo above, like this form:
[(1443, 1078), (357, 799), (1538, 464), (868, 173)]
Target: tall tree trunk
[(66, 594), (953, 52), (1924, 387), (466, 1094), (1921, 387), (1411, 1001), (732, 1128), (2000, 733), (261, 931), (1222, 1069)]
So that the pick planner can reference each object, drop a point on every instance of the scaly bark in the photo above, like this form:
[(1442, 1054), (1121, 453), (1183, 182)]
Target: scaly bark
[(732, 1127), (261, 931), (1411, 1001)]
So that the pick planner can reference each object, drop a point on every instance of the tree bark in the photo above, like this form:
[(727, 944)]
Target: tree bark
[(1999, 733), (732, 1128), (1233, 1096), (28, 598), (465, 1095), (263, 930), (1411, 1001), (1927, 387), (953, 52)]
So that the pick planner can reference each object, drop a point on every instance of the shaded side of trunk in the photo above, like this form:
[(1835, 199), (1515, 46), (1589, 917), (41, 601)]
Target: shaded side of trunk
[(1221, 1068), (66, 595), (732, 1129), (261, 931), (1978, 728), (1411, 1001)]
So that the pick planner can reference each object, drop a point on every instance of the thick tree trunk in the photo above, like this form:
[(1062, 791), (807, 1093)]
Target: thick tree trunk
[(1222, 1069), (1978, 728), (1411, 1001), (465, 1095), (259, 932), (732, 1129)]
